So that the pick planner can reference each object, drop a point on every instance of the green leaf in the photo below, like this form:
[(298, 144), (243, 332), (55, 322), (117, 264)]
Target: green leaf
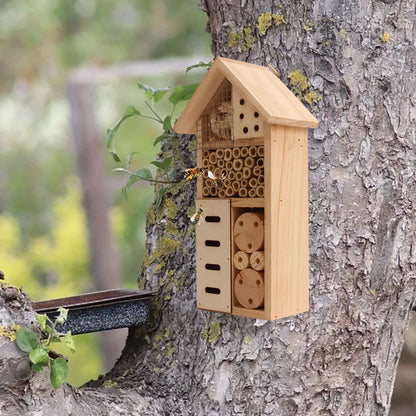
[(200, 64), (37, 367), (59, 372), (167, 124), (160, 138), (111, 143), (159, 198), (26, 339), (63, 315), (42, 319), (39, 356), (153, 94), (130, 157), (182, 93), (163, 164), (69, 341), (132, 180), (143, 174)]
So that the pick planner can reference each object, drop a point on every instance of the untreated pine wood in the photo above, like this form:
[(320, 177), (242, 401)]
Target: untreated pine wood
[(249, 232)]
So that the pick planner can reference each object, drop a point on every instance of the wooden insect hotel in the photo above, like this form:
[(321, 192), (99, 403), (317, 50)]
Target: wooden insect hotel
[(252, 247)]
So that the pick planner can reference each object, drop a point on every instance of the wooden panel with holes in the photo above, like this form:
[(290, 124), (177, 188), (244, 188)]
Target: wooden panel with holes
[(247, 120), (213, 256)]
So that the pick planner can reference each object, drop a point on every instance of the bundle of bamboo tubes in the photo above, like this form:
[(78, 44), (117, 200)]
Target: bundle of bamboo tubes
[(238, 172)]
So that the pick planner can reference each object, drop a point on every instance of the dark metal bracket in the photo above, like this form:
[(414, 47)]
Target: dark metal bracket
[(100, 311)]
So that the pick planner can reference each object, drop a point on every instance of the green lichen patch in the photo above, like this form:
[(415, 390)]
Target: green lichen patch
[(342, 34), (242, 38), (212, 333), (266, 20), (246, 340), (302, 89)]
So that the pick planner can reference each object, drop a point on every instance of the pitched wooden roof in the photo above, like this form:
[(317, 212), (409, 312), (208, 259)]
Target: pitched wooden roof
[(271, 98)]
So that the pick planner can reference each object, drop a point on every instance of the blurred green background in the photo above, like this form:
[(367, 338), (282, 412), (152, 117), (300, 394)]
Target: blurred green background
[(43, 231)]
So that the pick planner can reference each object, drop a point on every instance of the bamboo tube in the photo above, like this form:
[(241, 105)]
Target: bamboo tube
[(246, 172), (257, 260), (249, 162), (238, 164), (229, 191), (213, 191), (227, 183), (220, 163), (257, 171), (205, 154), (252, 151), (221, 193), (244, 183), (229, 165), (211, 168), (238, 176), (231, 175), (236, 186), (217, 173), (228, 154), (260, 191), (242, 192), (241, 260), (253, 182), (252, 193), (205, 163), (212, 158), (205, 191), (219, 153), (260, 179), (236, 152), (260, 162), (249, 288), (244, 152), (260, 151)]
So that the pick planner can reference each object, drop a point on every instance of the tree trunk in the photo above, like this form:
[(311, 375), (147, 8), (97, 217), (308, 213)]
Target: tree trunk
[(340, 357)]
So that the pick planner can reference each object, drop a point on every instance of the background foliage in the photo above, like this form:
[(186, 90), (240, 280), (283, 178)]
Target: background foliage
[(43, 237)]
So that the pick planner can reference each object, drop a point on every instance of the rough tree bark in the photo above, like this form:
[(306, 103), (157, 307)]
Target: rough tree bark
[(340, 357)]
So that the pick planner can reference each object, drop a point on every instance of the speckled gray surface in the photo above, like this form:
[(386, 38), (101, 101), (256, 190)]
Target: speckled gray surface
[(105, 317)]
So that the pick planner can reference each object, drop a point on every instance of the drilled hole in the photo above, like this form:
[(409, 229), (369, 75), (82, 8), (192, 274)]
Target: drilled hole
[(240, 223), (257, 262), (256, 128), (212, 243), (256, 114), (242, 102), (258, 282), (250, 246), (240, 259), (213, 290), (240, 281), (245, 129), (250, 301), (210, 266), (212, 218), (241, 116), (256, 224)]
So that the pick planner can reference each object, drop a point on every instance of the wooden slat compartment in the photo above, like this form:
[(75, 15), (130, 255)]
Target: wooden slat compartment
[(255, 205), (213, 256)]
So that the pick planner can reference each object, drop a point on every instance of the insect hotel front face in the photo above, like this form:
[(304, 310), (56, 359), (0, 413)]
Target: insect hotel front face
[(252, 247)]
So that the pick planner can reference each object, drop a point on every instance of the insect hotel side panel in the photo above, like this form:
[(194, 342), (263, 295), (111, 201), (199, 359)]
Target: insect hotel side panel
[(252, 149)]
